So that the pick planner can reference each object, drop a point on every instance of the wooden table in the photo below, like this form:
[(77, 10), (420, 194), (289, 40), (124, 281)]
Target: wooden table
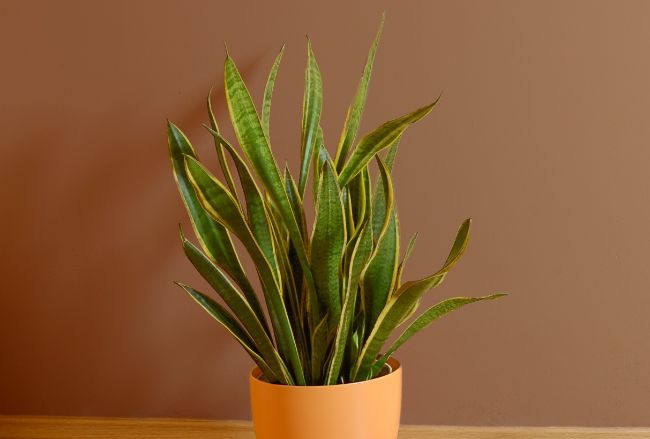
[(33, 427)]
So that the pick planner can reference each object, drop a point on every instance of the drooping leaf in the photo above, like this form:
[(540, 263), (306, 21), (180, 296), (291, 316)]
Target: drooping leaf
[(311, 110), (221, 205), (254, 142), (425, 319), (353, 117), (268, 93), (327, 244), (377, 140), (221, 315)]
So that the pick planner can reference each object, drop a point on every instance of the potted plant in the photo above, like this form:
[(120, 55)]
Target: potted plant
[(333, 290)]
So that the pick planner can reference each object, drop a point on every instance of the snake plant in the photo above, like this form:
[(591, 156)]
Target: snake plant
[(332, 291)]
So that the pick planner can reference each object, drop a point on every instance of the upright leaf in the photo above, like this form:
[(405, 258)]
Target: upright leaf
[(407, 255), (320, 157), (387, 199), (257, 216), (328, 241), (360, 257), (268, 92), (220, 204), (311, 109), (381, 277), (318, 350), (219, 148), (355, 111), (379, 281), (254, 142)]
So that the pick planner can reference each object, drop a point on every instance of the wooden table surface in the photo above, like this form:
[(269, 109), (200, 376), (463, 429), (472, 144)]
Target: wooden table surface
[(33, 427)]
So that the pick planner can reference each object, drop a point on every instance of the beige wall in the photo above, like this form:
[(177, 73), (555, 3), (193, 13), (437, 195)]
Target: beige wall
[(542, 136)]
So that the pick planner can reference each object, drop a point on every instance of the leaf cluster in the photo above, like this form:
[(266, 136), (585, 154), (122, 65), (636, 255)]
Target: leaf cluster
[(332, 292)]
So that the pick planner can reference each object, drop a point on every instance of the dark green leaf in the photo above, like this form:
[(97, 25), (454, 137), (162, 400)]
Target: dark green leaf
[(254, 142), (360, 257), (311, 110), (220, 204), (327, 245)]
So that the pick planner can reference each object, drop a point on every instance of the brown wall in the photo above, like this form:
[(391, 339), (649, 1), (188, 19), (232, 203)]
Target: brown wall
[(542, 136)]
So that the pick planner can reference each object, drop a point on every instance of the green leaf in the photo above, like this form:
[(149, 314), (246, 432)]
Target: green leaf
[(460, 244), (320, 157), (213, 237), (381, 277), (379, 280), (379, 208), (221, 315), (223, 164), (355, 111), (295, 200), (311, 110), (240, 307), (387, 199), (391, 152), (428, 317), (290, 289), (401, 303), (268, 92), (360, 257), (254, 142), (257, 215), (318, 350), (400, 270), (357, 193), (377, 140), (407, 254), (388, 319), (221, 205), (328, 241)]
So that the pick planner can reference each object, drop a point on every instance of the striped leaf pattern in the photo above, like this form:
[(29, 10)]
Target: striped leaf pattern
[(331, 290)]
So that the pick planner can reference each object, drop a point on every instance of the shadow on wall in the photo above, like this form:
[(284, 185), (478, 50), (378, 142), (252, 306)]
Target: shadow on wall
[(91, 211)]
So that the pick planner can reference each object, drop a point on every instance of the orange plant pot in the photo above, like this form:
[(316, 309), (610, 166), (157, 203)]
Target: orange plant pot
[(364, 410)]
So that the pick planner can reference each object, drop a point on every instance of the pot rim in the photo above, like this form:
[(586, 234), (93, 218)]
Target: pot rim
[(394, 364)]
